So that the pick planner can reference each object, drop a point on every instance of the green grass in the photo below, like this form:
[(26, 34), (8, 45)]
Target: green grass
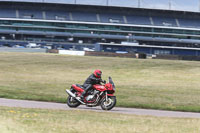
[(157, 84), (57, 121)]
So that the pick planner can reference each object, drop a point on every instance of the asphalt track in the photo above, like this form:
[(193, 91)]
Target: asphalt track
[(60, 106)]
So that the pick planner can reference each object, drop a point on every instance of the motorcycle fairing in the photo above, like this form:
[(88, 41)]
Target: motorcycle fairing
[(99, 87)]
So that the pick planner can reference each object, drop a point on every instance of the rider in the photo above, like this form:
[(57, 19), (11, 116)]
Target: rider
[(94, 78)]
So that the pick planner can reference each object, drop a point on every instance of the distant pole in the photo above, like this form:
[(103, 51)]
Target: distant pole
[(107, 2), (75, 1), (139, 3), (199, 5), (170, 4)]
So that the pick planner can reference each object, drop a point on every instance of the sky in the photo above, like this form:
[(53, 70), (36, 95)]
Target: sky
[(187, 5), (184, 5)]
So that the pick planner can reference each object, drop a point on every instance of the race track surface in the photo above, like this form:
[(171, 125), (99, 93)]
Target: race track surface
[(60, 106)]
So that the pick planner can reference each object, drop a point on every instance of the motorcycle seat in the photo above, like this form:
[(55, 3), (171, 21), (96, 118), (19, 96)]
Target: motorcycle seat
[(78, 85)]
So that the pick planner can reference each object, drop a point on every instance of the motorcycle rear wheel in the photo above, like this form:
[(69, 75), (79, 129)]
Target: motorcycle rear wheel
[(109, 104), (72, 102)]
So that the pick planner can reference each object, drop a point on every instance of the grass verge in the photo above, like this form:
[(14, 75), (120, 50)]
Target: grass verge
[(157, 84), (43, 121)]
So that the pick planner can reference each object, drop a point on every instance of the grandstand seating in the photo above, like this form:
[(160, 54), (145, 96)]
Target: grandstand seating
[(135, 19), (57, 15), (164, 21), (189, 23), (84, 16), (122, 18), (111, 18), (30, 14), (7, 13)]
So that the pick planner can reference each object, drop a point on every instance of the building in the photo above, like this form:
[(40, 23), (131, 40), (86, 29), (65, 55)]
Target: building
[(77, 26), (147, 49)]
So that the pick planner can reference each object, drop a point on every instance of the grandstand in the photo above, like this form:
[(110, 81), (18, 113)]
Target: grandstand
[(76, 26)]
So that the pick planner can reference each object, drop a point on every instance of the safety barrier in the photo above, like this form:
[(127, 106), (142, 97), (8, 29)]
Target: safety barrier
[(177, 57), (109, 54), (69, 52)]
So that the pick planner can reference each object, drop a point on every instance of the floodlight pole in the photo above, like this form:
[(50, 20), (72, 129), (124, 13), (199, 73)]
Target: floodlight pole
[(199, 5), (139, 3), (107, 2), (170, 4)]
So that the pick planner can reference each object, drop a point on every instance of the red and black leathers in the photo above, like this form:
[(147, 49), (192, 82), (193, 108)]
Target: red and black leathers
[(90, 81)]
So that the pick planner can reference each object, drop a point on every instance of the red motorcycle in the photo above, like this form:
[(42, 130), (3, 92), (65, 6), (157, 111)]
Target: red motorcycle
[(100, 95)]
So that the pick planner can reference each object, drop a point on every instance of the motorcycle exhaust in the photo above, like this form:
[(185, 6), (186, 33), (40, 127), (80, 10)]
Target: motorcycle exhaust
[(72, 95)]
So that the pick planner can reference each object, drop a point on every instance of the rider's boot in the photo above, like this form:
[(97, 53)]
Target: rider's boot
[(82, 96), (85, 91)]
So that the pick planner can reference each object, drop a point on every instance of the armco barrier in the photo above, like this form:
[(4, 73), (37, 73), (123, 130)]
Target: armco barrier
[(52, 51), (109, 54), (192, 58), (178, 57), (167, 57), (94, 53), (69, 52)]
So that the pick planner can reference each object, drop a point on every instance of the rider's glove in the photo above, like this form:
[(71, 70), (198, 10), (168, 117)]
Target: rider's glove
[(103, 81)]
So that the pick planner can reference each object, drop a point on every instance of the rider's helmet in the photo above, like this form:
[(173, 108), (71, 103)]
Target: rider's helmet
[(97, 73)]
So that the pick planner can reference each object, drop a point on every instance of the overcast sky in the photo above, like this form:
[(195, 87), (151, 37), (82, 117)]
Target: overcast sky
[(185, 5), (188, 5), (191, 5)]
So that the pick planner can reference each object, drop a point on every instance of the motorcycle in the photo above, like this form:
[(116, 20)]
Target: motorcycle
[(100, 95)]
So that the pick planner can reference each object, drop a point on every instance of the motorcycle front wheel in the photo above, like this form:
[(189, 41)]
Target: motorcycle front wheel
[(72, 102), (109, 104)]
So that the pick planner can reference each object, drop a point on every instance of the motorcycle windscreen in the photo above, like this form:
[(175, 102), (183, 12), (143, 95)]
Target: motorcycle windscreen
[(111, 81)]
